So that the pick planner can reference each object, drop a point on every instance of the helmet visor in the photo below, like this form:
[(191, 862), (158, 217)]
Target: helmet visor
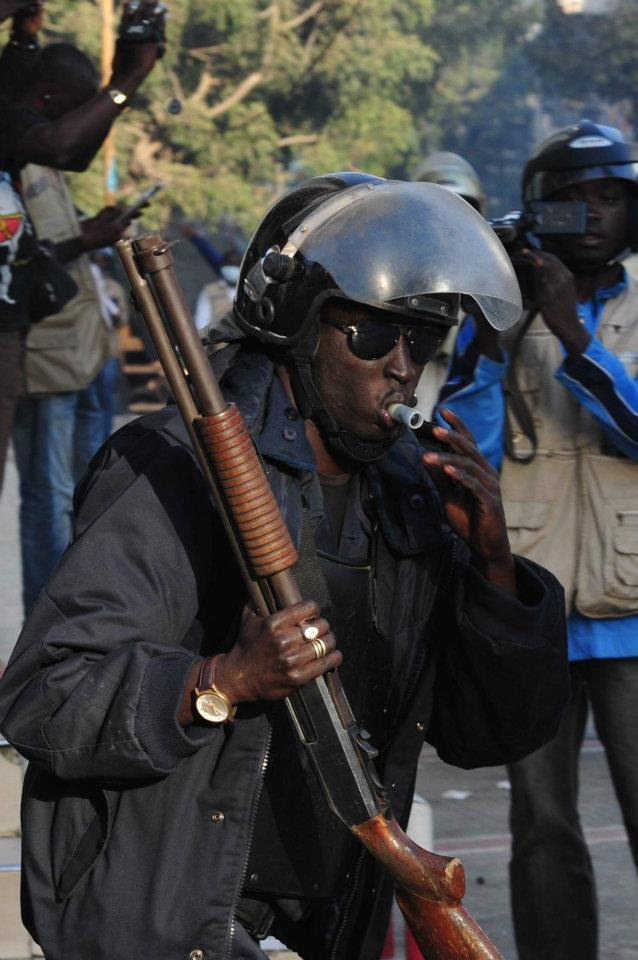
[(395, 243)]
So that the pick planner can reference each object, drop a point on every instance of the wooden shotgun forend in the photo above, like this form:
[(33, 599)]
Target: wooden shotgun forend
[(429, 889), (244, 484)]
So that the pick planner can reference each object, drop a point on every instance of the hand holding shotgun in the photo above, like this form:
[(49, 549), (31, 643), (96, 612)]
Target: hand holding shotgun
[(429, 887)]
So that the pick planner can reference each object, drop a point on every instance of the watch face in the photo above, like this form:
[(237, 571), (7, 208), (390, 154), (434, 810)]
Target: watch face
[(211, 707)]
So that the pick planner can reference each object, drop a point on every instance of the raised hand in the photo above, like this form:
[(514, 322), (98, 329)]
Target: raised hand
[(471, 497), (555, 297)]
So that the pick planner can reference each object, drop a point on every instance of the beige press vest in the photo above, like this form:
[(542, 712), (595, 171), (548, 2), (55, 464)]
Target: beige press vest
[(67, 350), (574, 508)]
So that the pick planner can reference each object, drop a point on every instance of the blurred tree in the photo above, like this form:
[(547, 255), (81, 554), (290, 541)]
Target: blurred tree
[(270, 91), (275, 90), (584, 55)]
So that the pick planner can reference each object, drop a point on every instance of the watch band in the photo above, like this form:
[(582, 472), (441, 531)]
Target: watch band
[(207, 673), (119, 98), (206, 681)]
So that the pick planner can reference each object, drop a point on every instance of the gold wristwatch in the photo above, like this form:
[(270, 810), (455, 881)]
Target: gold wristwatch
[(211, 703)]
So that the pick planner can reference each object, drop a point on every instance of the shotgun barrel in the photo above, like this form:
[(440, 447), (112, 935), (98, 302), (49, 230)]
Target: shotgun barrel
[(429, 888)]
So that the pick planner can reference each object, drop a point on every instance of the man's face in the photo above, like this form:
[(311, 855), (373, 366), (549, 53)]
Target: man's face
[(358, 392), (72, 90), (607, 223)]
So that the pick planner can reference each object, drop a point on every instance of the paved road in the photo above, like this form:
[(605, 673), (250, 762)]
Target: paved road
[(474, 828)]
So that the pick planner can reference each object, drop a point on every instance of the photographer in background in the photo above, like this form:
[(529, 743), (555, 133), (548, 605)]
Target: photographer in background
[(563, 420), (68, 142), (59, 419)]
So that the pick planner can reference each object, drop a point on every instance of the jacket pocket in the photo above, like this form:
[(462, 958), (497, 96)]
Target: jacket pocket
[(622, 568), (80, 832), (525, 521)]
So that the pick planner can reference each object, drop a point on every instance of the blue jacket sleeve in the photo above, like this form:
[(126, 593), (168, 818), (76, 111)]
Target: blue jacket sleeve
[(599, 380), (474, 392), (211, 255)]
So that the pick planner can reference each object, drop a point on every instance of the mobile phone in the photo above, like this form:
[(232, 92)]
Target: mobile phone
[(131, 212)]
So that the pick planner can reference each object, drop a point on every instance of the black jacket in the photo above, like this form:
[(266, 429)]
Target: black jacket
[(121, 850)]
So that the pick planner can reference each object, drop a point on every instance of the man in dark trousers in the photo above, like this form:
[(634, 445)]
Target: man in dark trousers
[(152, 823), (560, 412)]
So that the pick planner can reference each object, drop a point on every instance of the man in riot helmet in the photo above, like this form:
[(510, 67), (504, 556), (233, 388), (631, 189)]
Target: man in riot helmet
[(345, 291), (455, 173), (566, 430)]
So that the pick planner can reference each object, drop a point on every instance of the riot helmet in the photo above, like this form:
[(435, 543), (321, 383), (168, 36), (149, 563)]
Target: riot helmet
[(583, 151), (414, 250), (454, 172)]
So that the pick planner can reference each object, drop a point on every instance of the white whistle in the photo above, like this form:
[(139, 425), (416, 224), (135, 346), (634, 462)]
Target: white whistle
[(408, 416)]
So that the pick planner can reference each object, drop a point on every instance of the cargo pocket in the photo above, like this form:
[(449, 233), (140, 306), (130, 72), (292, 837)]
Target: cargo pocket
[(623, 582), (525, 521), (80, 832)]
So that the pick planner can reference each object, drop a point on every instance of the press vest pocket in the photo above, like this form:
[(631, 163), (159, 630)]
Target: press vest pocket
[(625, 557), (524, 520)]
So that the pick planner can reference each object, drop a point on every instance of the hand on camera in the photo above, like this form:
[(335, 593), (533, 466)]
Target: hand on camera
[(140, 43), (555, 297)]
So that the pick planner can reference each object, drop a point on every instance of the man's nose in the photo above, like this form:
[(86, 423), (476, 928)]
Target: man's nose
[(593, 212), (400, 366)]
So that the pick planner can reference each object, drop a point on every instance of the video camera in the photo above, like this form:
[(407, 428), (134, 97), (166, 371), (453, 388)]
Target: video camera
[(542, 218), (143, 22)]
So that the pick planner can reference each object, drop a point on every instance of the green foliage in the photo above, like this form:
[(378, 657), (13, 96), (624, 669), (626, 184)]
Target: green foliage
[(588, 55), (271, 91), (274, 90)]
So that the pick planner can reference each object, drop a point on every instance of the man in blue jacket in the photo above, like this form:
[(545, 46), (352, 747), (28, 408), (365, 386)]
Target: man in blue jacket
[(167, 805), (562, 423)]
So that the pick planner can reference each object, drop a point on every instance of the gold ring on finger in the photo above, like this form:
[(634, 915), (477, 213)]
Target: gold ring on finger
[(320, 648)]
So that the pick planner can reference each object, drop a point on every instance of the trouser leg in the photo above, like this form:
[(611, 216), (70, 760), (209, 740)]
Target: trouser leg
[(613, 691), (11, 354), (551, 877), (89, 428), (106, 383), (42, 436)]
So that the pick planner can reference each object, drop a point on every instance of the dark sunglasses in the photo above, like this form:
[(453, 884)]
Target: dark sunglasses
[(371, 339)]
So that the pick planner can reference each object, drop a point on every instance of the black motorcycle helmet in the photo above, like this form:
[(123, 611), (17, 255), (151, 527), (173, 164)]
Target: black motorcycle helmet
[(415, 250), (583, 151)]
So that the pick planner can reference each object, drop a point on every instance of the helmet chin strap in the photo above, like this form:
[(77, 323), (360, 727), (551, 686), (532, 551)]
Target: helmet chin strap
[(342, 444)]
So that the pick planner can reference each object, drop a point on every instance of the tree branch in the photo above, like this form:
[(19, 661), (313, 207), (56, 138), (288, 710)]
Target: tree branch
[(297, 21), (239, 93), (298, 138), (206, 83)]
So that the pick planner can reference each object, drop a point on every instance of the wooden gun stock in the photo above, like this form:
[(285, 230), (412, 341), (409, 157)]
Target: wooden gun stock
[(429, 890), (429, 887)]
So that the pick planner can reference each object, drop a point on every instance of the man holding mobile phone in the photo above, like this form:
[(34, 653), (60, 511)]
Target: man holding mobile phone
[(59, 422), (62, 140)]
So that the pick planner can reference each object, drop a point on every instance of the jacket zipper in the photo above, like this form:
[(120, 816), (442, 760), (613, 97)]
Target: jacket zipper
[(251, 828), (348, 906)]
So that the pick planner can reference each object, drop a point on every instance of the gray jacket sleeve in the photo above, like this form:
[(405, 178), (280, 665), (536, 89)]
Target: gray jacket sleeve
[(95, 681)]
